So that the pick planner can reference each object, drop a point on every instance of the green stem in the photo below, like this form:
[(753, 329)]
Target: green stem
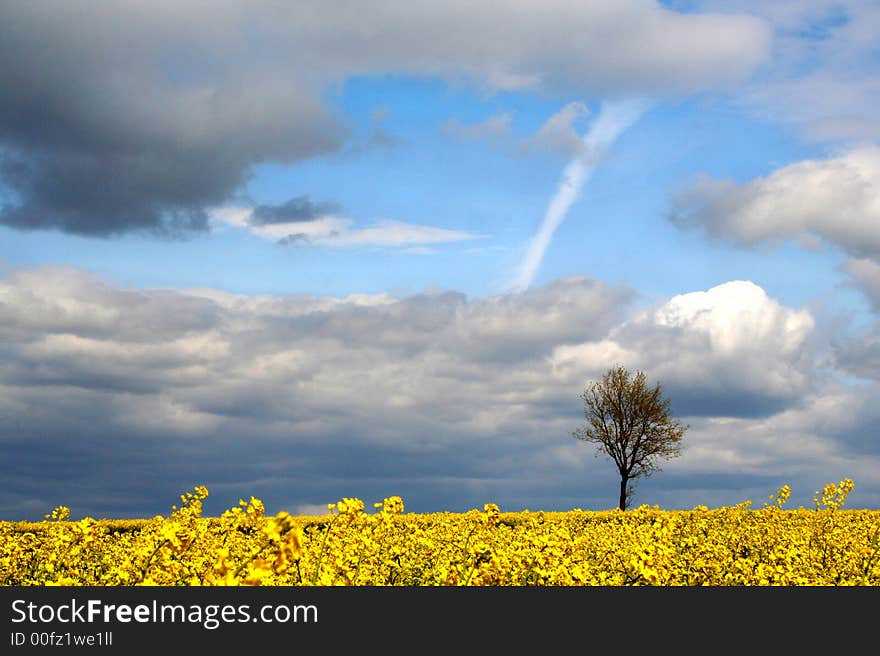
[(323, 546), (150, 559), (253, 556), (357, 570), (467, 543)]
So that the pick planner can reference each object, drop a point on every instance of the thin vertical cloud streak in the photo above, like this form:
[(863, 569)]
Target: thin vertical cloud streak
[(613, 119)]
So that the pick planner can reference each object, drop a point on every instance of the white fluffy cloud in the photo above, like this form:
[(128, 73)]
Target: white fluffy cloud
[(728, 350), (837, 200)]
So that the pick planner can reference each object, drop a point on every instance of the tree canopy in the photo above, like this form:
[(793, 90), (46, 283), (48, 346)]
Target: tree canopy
[(630, 422)]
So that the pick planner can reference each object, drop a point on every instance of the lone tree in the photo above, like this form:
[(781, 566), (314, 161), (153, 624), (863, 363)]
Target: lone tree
[(630, 422)]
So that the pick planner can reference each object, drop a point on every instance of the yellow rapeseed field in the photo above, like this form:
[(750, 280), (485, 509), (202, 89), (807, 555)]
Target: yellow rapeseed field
[(737, 545)]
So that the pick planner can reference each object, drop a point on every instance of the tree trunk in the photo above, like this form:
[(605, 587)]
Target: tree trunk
[(623, 482)]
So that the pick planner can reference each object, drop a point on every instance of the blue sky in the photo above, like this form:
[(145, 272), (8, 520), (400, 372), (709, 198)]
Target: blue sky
[(217, 227)]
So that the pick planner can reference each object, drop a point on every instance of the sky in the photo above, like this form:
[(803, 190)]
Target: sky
[(314, 250)]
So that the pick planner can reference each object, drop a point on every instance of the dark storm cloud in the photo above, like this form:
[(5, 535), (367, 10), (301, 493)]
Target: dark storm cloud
[(694, 401), (101, 194), (300, 208), (114, 119), (122, 116), (136, 395), (113, 401)]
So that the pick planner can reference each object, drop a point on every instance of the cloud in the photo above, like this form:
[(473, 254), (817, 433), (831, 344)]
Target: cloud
[(495, 128), (865, 274), (858, 352), (825, 438), (613, 119), (113, 401), (147, 391), (558, 133), (859, 355), (156, 161), (377, 137), (842, 127), (138, 117), (390, 233), (294, 210), (329, 230), (728, 351), (836, 199), (821, 78)]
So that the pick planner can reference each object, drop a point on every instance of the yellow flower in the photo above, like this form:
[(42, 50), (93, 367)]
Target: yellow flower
[(724, 546)]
